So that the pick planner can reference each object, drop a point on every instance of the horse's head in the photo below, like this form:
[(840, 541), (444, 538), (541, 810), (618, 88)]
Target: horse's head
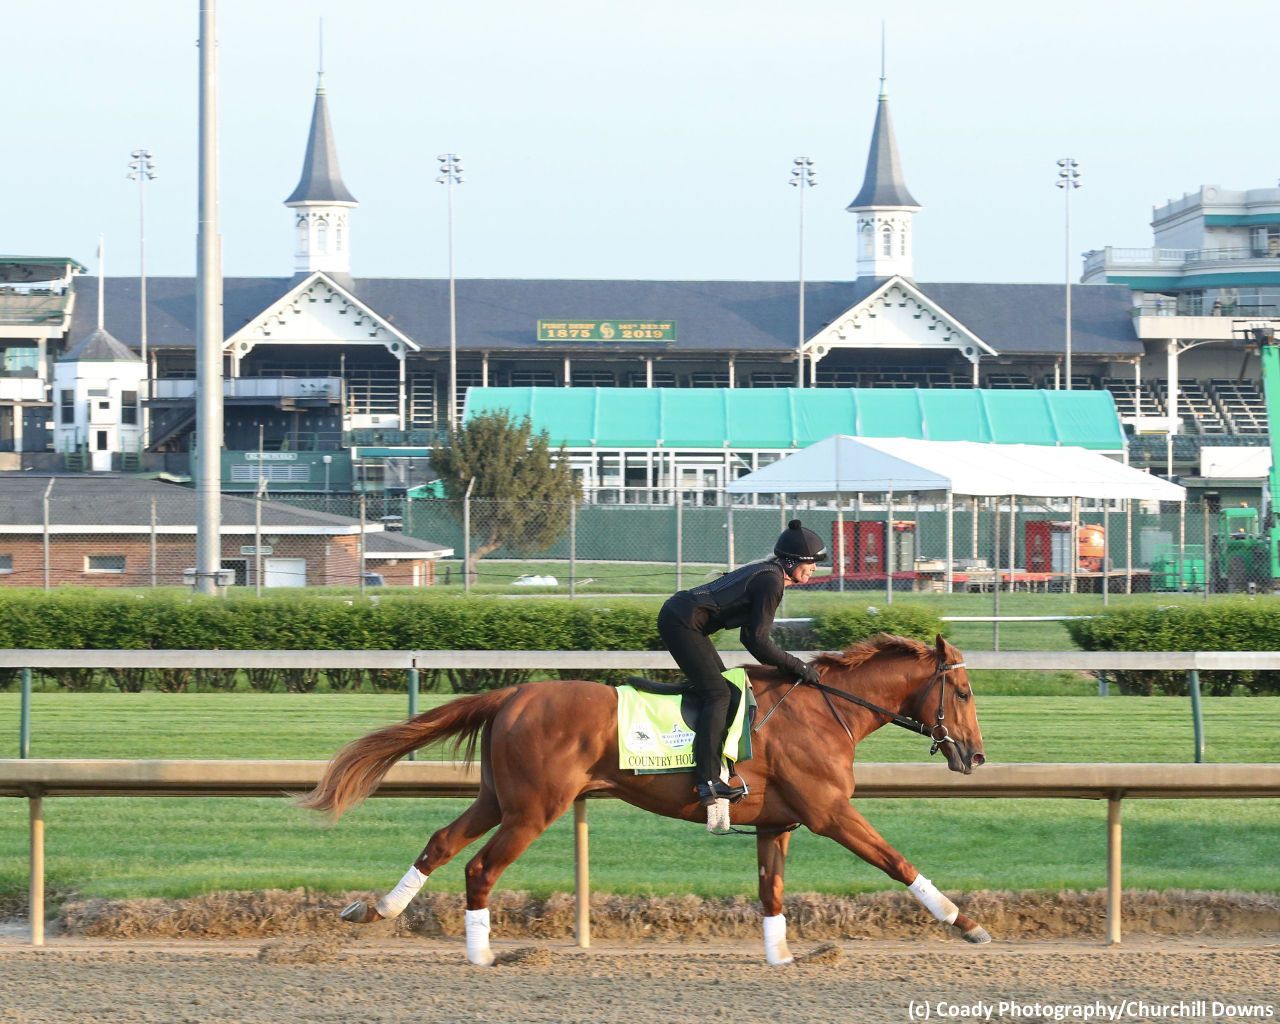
[(944, 702)]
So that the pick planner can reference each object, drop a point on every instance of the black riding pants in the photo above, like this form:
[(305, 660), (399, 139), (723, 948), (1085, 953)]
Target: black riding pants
[(698, 659)]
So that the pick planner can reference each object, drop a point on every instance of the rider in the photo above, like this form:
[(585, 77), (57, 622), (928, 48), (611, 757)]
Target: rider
[(746, 597)]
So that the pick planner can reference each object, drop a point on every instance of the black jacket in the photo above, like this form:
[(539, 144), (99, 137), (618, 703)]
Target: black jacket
[(746, 598)]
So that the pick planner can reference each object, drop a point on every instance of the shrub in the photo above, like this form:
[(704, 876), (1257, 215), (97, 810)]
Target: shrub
[(1240, 625), (837, 629)]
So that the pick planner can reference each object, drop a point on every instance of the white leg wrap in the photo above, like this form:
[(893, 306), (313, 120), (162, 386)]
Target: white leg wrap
[(718, 822), (478, 951), (934, 901), (775, 940), (393, 903)]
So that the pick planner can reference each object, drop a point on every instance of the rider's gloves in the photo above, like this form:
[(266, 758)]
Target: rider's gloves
[(809, 674)]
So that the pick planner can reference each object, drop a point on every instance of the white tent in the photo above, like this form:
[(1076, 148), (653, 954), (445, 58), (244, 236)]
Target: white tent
[(843, 466), (848, 465)]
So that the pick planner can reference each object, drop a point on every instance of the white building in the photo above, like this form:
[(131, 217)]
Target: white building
[(97, 388)]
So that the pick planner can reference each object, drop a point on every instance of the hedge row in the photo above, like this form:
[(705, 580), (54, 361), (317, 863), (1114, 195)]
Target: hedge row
[(98, 620), (1242, 625)]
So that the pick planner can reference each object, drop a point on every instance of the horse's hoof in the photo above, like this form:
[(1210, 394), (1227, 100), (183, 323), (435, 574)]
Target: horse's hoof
[(481, 958), (359, 912), (977, 935)]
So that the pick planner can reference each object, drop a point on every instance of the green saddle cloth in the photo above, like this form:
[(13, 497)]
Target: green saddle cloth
[(654, 737)]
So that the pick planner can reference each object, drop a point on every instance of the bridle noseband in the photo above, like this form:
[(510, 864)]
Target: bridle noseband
[(936, 732)]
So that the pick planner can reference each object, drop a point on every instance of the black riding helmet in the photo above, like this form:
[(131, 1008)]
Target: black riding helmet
[(796, 544)]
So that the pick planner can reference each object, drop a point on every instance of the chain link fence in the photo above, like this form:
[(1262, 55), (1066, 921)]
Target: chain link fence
[(146, 537)]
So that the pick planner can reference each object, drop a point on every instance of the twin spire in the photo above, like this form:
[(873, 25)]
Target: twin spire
[(321, 180)]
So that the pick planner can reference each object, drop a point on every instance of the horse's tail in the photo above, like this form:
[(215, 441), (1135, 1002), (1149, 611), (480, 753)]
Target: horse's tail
[(357, 768)]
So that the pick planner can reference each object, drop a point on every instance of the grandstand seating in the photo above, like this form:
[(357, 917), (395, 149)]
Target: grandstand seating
[(1008, 380), (1126, 393), (1194, 404), (1241, 405)]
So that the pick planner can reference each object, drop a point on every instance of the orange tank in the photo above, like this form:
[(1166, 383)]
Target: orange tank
[(1091, 548)]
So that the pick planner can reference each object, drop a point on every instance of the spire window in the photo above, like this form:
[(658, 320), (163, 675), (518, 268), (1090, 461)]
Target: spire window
[(322, 235), (868, 240), (886, 240)]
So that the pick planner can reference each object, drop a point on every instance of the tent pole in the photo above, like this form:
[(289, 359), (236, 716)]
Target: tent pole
[(951, 541), (888, 549)]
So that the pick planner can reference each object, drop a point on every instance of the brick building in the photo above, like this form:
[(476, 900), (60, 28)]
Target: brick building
[(104, 530)]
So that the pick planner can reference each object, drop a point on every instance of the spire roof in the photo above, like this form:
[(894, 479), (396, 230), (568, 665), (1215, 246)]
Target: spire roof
[(100, 347), (883, 184), (321, 181)]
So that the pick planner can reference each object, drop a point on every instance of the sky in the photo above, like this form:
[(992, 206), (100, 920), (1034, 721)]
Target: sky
[(632, 140)]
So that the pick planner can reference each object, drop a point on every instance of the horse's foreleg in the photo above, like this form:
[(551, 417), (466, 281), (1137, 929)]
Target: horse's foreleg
[(852, 831), (771, 854), (474, 822)]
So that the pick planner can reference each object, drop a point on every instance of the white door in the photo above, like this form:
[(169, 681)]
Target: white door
[(284, 572)]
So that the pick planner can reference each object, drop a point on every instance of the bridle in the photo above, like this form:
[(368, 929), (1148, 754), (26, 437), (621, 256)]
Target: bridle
[(936, 732)]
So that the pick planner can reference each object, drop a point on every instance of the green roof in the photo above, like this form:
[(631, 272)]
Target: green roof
[(776, 418)]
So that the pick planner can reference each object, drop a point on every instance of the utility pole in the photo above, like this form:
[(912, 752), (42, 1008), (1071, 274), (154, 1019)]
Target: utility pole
[(803, 177), (450, 175), (1068, 181), (142, 170)]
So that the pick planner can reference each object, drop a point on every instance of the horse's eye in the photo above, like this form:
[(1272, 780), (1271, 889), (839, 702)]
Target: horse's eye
[(962, 695)]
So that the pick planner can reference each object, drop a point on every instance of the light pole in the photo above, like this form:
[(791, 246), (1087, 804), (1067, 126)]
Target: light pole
[(142, 170), (1068, 181), (450, 175), (803, 178)]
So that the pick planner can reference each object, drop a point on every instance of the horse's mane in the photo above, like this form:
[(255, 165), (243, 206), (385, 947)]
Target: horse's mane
[(856, 655)]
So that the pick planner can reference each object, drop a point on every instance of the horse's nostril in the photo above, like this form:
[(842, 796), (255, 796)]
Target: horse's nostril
[(978, 759)]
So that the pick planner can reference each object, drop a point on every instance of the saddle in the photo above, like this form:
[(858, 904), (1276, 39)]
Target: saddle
[(656, 723)]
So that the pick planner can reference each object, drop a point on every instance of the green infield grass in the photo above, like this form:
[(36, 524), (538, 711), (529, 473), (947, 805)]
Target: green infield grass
[(180, 847)]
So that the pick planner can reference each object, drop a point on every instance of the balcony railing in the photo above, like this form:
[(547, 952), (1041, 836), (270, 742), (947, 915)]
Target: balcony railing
[(254, 387), (33, 307), (1197, 306), (1198, 257)]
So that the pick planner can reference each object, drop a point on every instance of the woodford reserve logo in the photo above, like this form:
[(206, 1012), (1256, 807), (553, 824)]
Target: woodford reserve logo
[(607, 330)]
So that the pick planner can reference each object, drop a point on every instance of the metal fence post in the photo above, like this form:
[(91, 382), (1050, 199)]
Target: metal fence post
[(679, 539), (1106, 551), (887, 561), (257, 538), (360, 567), (729, 540), (153, 543), (46, 532), (1182, 545), (839, 570), (1197, 720), (573, 547), (1128, 545), (995, 574), (24, 716), (466, 537), (1208, 568)]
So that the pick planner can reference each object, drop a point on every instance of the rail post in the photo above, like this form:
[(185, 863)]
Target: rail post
[(36, 892), (1197, 720), (24, 716), (573, 546), (581, 876), (1114, 861), (413, 702)]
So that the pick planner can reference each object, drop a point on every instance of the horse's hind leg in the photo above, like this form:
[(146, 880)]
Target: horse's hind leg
[(852, 831), (517, 831), (474, 822), (771, 854)]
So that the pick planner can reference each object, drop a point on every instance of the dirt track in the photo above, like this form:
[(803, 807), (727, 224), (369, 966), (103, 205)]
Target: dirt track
[(296, 980)]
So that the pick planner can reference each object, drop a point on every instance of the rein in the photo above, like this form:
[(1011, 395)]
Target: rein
[(936, 732)]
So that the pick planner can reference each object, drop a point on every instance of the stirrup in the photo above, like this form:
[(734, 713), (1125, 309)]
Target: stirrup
[(714, 789)]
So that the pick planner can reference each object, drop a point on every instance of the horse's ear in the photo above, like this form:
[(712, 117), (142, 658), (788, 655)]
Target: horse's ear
[(941, 646)]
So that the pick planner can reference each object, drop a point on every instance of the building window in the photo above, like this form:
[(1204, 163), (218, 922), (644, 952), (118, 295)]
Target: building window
[(129, 408), (322, 235), (886, 237), (902, 241), (67, 406), (6, 564), (104, 563), (868, 241), (337, 237), (101, 441)]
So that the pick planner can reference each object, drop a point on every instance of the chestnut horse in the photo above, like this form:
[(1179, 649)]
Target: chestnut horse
[(545, 744)]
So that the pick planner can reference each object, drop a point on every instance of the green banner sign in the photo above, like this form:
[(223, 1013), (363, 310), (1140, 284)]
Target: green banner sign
[(606, 330)]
